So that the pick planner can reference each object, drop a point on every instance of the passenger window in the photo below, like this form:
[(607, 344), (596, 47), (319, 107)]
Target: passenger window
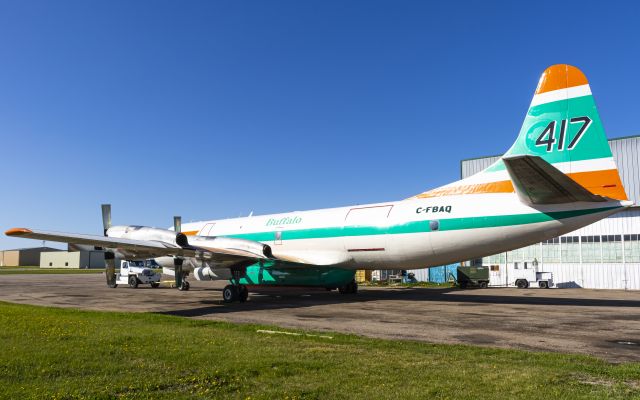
[(434, 225)]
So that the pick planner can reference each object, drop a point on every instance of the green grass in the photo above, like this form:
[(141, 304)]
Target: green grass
[(38, 270), (69, 354)]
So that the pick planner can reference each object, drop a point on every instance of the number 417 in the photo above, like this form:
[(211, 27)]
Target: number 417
[(547, 137)]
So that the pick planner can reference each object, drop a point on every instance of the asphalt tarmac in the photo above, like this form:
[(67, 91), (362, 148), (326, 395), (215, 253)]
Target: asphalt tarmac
[(603, 323)]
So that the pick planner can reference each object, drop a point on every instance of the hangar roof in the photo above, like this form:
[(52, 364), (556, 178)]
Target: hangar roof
[(33, 248)]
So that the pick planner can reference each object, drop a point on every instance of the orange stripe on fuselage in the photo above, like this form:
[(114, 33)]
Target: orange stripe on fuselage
[(560, 76), (604, 183), (190, 233)]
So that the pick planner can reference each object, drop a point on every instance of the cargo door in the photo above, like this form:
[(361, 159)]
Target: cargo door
[(365, 232)]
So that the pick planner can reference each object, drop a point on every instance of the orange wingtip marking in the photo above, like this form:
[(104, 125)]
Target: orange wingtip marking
[(560, 76), (190, 233), (17, 231), (604, 183)]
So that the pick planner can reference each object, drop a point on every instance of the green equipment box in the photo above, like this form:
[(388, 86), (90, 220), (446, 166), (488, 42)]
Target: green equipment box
[(473, 276)]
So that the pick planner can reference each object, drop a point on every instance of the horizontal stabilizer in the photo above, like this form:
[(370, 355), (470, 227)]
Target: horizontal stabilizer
[(538, 182)]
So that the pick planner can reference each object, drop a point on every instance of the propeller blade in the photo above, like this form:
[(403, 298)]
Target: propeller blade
[(106, 217), (177, 224)]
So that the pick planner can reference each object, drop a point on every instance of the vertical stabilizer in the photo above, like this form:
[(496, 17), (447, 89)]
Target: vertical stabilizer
[(562, 126)]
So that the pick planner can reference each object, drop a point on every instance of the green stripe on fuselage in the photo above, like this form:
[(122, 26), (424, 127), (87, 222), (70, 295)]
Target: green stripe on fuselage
[(450, 224)]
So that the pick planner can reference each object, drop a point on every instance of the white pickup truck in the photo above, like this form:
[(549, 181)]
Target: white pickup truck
[(134, 273)]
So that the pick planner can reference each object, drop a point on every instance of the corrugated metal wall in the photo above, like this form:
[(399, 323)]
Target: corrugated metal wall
[(625, 152), (422, 275), (600, 275), (435, 274), (474, 165)]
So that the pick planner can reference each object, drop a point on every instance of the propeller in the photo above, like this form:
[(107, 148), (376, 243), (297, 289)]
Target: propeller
[(106, 217), (177, 224)]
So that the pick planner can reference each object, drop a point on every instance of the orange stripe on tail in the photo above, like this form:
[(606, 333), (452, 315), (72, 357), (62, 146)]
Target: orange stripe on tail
[(604, 183)]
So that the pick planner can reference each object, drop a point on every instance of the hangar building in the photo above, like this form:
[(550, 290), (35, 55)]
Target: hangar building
[(604, 255), (72, 259), (27, 257)]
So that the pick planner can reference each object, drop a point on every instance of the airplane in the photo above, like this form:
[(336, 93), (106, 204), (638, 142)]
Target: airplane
[(557, 177)]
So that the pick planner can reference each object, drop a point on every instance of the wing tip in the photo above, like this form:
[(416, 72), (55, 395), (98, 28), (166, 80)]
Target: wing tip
[(18, 232)]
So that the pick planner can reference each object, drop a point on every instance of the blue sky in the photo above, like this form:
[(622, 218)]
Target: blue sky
[(214, 109)]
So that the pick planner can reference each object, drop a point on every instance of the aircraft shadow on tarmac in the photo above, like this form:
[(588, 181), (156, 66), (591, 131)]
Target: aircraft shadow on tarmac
[(287, 300)]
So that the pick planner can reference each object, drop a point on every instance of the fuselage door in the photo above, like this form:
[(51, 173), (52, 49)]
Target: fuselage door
[(365, 233)]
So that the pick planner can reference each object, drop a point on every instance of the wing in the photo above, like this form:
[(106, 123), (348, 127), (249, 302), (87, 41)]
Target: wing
[(538, 182), (223, 251)]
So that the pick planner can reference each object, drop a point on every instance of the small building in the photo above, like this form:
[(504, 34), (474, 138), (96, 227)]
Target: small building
[(23, 257), (73, 259)]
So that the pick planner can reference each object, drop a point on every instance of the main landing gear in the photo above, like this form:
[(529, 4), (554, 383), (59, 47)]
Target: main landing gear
[(235, 291), (232, 293), (349, 288)]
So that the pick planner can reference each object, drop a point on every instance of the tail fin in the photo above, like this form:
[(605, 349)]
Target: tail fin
[(563, 128)]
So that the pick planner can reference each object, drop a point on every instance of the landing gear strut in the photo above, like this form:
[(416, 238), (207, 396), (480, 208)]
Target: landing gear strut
[(181, 277), (110, 270)]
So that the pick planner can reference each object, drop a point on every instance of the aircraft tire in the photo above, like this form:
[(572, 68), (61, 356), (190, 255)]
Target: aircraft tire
[(229, 294), (243, 293), (184, 286), (349, 288)]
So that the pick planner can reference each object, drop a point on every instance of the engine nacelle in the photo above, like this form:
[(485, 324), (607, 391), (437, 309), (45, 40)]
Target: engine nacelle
[(260, 250), (147, 233), (208, 274)]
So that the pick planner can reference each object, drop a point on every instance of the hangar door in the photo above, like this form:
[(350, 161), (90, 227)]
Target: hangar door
[(365, 232)]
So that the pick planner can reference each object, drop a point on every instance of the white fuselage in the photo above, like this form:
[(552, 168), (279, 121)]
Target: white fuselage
[(408, 234)]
